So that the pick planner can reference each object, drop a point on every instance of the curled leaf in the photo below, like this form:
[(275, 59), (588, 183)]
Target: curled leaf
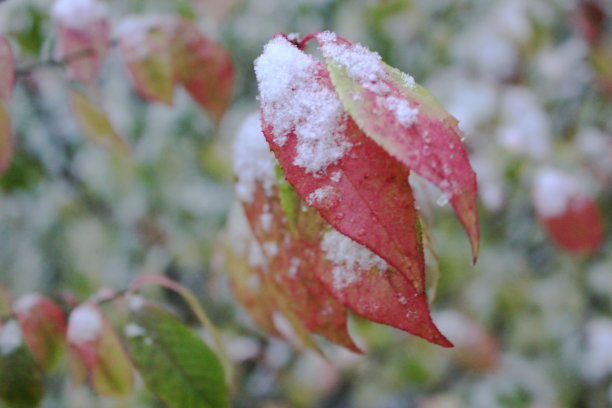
[(315, 268)]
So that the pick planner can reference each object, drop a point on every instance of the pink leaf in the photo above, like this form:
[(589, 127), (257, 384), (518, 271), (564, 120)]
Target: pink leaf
[(7, 69), (44, 329), (83, 36), (406, 121), (567, 211)]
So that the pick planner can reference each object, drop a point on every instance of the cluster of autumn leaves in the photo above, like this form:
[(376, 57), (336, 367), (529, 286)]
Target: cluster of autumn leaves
[(319, 241), (158, 53)]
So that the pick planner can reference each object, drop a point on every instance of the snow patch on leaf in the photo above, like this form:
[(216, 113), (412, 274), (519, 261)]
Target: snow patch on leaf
[(84, 324), (349, 258), (25, 303), (133, 330), (253, 160), (10, 337), (289, 93)]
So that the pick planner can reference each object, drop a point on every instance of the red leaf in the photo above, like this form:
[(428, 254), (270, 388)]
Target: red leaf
[(44, 329), (204, 68), (299, 255), (568, 213), (406, 121), (6, 140), (7, 69)]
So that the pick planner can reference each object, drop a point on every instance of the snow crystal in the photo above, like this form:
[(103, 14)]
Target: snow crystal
[(133, 330), (293, 100), (552, 191), (10, 337), (25, 303), (336, 176), (319, 195), (406, 115), (408, 80), (253, 160), (79, 14), (349, 258), (84, 324)]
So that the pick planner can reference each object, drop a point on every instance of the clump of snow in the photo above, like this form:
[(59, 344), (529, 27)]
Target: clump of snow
[(10, 337), (253, 160), (135, 302), (596, 363), (84, 324), (406, 115), (256, 256), (25, 303), (133, 330), (552, 191), (79, 14), (319, 195), (294, 101), (294, 265), (270, 248), (349, 258)]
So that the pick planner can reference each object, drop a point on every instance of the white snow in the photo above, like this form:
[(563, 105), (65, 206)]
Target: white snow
[(133, 31), (84, 324), (294, 266), (293, 101), (349, 258), (133, 330), (135, 302), (25, 303), (552, 190), (319, 195), (270, 248), (596, 363), (266, 221), (253, 160), (10, 337), (255, 257), (406, 115), (79, 14)]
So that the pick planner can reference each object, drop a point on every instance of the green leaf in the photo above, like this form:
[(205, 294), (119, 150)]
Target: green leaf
[(20, 380), (174, 362)]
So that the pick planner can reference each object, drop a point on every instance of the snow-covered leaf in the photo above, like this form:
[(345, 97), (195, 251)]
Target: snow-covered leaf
[(94, 123), (174, 362), (314, 267), (406, 121), (44, 329)]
